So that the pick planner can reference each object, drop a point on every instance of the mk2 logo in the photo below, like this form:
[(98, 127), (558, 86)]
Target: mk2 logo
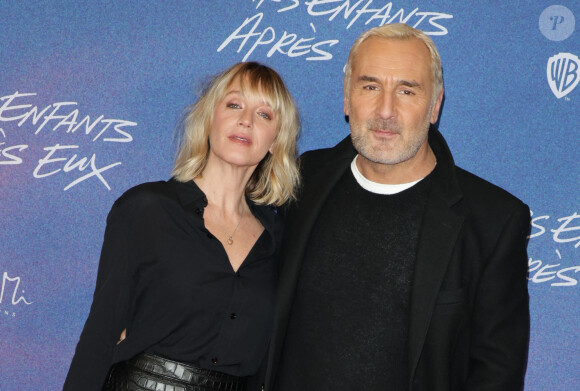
[(563, 73)]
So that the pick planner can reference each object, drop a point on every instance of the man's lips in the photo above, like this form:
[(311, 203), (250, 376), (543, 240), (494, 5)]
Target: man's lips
[(384, 132)]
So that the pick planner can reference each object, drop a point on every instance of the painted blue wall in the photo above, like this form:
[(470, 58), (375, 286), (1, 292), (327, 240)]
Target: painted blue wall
[(90, 95)]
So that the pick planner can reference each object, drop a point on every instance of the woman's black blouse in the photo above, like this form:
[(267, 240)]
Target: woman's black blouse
[(166, 279)]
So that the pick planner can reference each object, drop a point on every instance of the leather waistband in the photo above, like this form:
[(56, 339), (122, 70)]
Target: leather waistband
[(150, 372)]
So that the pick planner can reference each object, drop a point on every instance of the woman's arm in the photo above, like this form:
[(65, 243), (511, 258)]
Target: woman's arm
[(106, 320)]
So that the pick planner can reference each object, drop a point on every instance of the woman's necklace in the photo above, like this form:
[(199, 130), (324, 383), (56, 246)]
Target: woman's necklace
[(219, 224), (231, 237)]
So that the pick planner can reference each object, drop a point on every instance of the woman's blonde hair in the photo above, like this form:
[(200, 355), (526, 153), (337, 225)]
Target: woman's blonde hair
[(276, 177)]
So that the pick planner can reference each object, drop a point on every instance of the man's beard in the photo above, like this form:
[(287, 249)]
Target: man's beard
[(387, 151)]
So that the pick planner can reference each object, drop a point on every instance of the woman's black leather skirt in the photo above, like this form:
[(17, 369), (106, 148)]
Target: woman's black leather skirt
[(149, 372)]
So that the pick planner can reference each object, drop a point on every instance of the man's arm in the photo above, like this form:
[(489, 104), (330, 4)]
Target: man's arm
[(501, 318)]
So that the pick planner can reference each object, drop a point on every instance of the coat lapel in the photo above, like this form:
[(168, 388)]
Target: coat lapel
[(439, 233), (438, 236)]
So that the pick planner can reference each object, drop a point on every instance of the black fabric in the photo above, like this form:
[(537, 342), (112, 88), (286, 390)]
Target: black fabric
[(469, 313), (166, 279), (349, 323)]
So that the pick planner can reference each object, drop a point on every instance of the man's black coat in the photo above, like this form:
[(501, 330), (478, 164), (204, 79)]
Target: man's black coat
[(469, 314)]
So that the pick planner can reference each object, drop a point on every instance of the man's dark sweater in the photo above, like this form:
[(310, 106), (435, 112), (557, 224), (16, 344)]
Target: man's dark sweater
[(365, 243)]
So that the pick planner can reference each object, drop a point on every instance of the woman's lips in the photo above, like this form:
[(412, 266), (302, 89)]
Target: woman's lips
[(240, 139)]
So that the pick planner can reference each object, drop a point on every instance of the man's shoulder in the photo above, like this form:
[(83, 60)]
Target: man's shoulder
[(486, 196), (316, 158), (478, 193)]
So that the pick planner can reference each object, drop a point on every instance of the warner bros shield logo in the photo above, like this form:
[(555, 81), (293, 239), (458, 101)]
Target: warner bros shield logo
[(563, 73)]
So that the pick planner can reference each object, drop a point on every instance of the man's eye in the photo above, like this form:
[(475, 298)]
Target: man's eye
[(407, 92), (372, 88)]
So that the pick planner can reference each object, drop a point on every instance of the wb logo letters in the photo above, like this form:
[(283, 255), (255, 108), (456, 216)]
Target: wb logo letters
[(563, 73)]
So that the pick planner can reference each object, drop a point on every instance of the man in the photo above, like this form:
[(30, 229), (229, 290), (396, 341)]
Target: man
[(400, 271)]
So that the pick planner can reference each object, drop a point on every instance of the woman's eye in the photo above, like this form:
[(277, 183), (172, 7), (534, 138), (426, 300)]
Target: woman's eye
[(233, 105), (265, 115)]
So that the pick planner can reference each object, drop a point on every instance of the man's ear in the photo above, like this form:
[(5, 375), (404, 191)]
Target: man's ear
[(436, 107)]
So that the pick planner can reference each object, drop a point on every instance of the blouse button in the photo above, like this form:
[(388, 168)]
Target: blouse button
[(233, 315), (214, 360)]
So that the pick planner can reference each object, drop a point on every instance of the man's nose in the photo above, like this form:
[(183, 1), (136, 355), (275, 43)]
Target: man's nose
[(386, 105)]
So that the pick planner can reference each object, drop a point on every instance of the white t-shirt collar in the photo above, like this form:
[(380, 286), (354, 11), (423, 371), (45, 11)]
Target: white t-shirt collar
[(378, 188)]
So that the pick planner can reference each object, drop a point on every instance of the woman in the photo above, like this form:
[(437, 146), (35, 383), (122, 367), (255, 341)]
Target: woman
[(185, 285)]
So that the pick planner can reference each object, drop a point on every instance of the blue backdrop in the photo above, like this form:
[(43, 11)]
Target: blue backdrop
[(90, 95)]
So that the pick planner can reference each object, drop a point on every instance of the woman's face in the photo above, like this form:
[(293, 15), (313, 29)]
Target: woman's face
[(244, 128)]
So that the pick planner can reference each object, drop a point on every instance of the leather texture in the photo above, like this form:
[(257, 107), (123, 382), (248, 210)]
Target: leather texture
[(149, 372)]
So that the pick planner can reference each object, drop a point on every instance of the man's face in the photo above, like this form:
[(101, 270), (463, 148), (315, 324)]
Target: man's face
[(390, 100)]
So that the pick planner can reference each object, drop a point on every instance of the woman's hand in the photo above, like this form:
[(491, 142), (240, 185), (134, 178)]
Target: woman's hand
[(122, 337)]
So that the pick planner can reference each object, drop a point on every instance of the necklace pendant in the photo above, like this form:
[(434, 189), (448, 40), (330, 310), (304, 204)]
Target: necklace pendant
[(230, 241)]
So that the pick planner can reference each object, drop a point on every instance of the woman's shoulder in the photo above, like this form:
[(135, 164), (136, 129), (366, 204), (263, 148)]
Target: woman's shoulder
[(145, 197), (148, 191)]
